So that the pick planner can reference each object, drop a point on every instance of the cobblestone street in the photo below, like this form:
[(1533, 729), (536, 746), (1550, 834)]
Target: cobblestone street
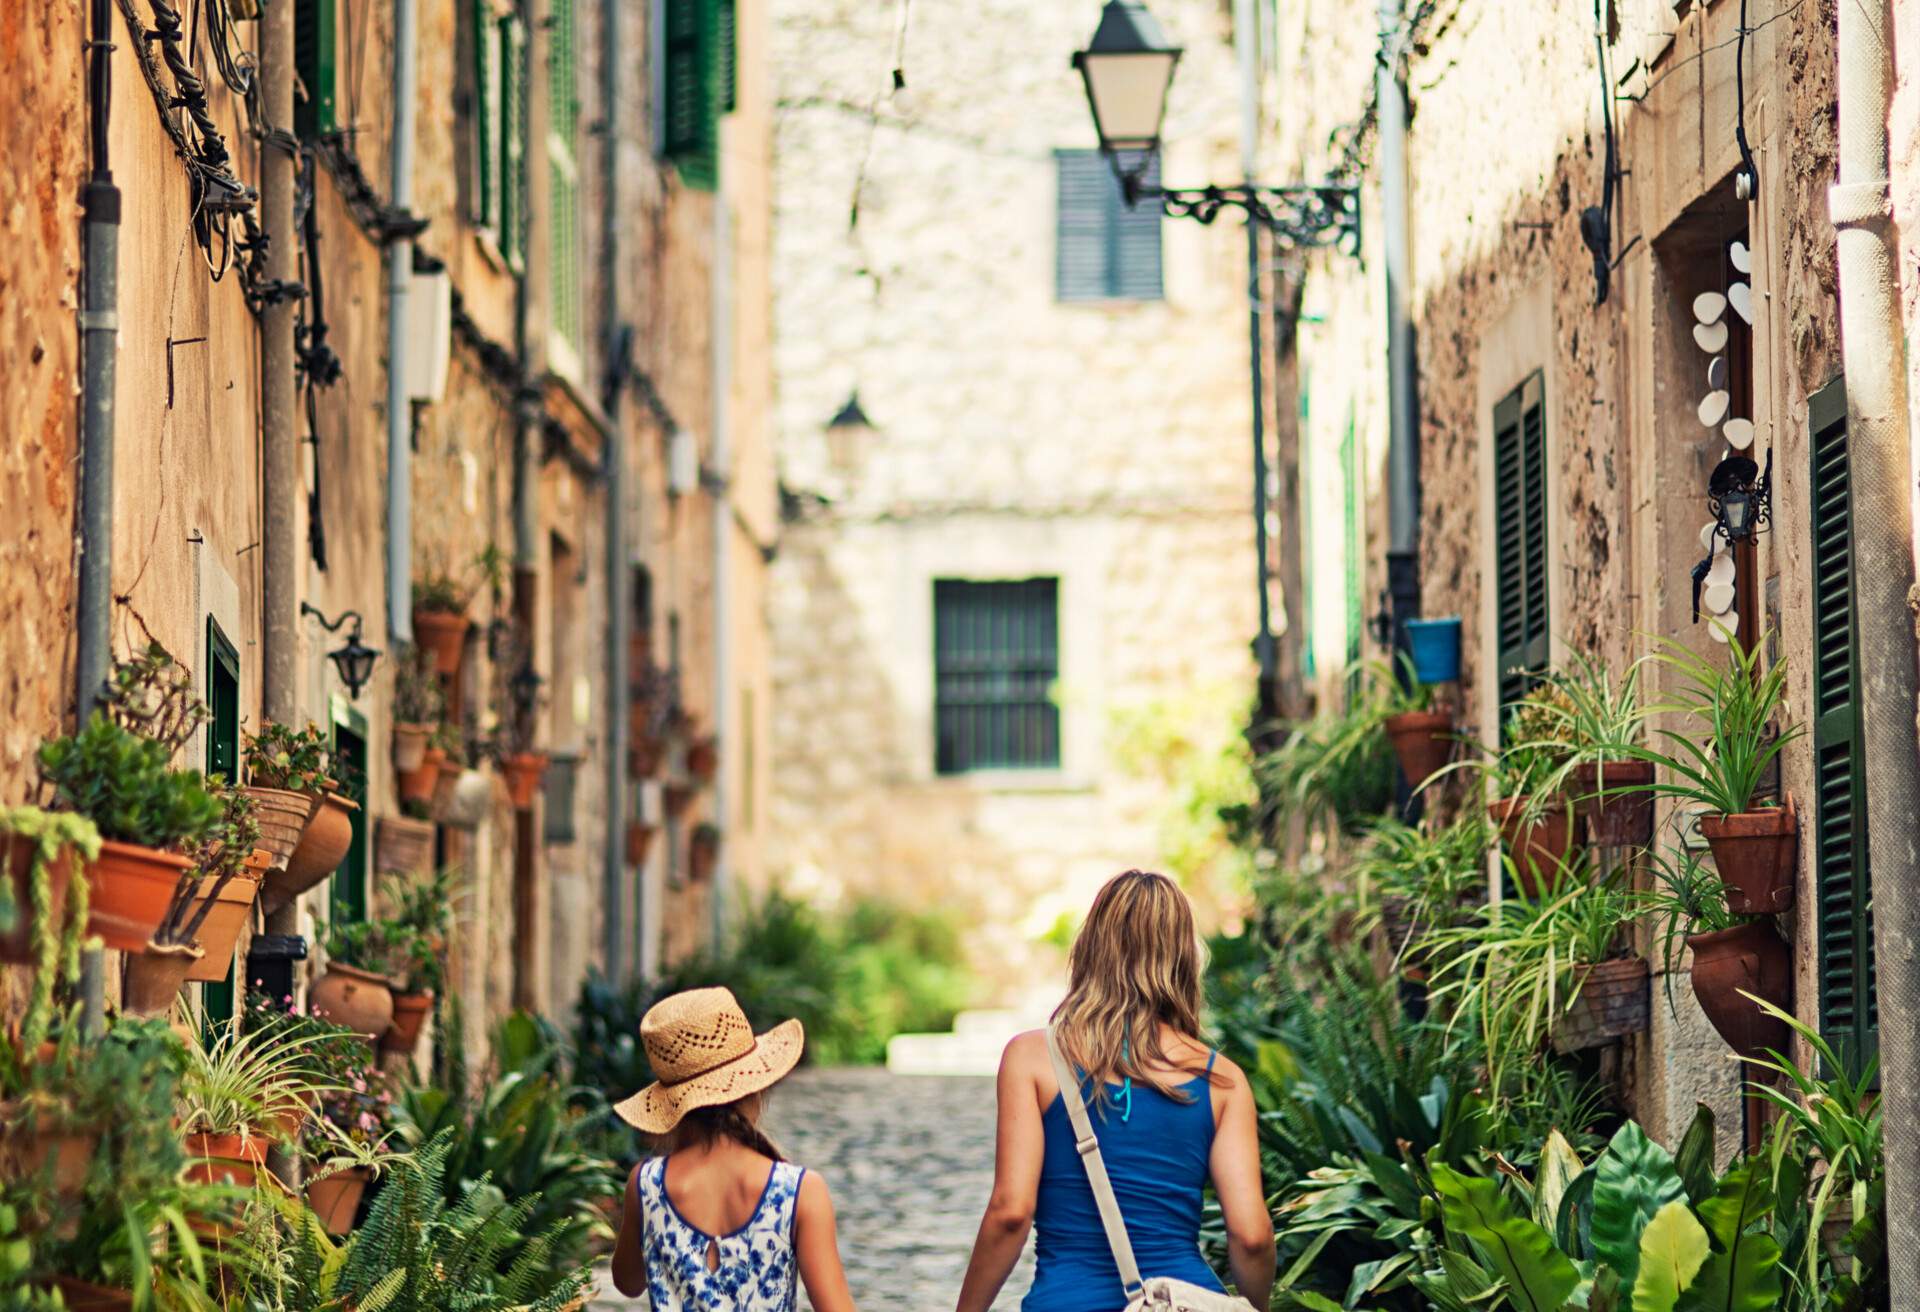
[(910, 1160)]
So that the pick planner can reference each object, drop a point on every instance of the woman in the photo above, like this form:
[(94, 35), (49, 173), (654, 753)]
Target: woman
[(1169, 1115)]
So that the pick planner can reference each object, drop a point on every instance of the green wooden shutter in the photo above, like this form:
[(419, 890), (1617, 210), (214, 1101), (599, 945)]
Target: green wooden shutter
[(1523, 645), (315, 59), (513, 141), (726, 55), (349, 894), (700, 79), (487, 100), (1849, 1009), (563, 176), (223, 759)]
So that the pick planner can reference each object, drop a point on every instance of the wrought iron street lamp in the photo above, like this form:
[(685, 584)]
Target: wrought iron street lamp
[(353, 659), (1128, 70)]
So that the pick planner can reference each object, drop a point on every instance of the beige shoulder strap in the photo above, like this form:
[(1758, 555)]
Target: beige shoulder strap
[(1096, 1166)]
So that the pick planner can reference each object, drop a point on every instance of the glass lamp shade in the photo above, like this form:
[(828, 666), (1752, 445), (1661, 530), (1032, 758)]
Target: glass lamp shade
[(1128, 70), (1736, 516), (355, 664)]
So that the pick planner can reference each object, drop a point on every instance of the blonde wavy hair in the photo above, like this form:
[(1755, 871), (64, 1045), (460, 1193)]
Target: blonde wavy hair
[(1134, 967)]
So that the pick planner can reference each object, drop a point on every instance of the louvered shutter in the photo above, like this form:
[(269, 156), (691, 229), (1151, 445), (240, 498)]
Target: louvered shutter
[(1849, 1012), (726, 55), (563, 176), (691, 91), (513, 141), (1103, 250), (487, 68), (315, 60), (1522, 644)]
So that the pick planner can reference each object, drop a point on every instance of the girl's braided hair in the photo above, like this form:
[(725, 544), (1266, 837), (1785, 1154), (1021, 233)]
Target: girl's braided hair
[(728, 1120)]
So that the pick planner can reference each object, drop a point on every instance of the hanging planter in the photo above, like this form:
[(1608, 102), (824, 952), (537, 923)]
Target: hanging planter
[(282, 815), (523, 771), (219, 933), (1615, 1000), (335, 1198), (703, 758), (645, 755), (1423, 741), (1749, 958), (1756, 853), (1614, 800), (410, 1012), (229, 1159), (16, 944), (155, 977), (420, 783), (463, 799), (328, 835), (442, 635), (677, 798), (410, 745), (1539, 842), (1433, 648), (130, 890), (639, 842), (358, 999), (402, 846), (703, 853)]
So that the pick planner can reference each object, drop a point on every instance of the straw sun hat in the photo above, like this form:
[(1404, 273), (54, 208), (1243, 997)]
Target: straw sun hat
[(705, 1053)]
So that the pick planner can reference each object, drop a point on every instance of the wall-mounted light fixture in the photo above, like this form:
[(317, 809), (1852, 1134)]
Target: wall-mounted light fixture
[(353, 659)]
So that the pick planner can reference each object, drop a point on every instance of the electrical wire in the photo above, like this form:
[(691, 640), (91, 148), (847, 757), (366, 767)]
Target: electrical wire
[(1748, 184)]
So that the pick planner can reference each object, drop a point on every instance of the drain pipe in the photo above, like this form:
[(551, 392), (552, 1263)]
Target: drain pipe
[(719, 480), (280, 482), (1881, 489), (614, 916), (406, 59), (1403, 449), (99, 356)]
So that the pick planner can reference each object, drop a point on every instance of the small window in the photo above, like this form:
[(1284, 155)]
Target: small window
[(996, 657), (499, 145), (1105, 251), (563, 177), (349, 899), (1522, 645), (698, 85), (223, 759)]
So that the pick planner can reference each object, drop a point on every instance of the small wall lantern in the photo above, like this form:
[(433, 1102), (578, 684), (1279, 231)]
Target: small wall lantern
[(353, 659), (1740, 497)]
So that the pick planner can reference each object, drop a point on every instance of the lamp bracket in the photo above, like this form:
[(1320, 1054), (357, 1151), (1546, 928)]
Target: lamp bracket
[(331, 626), (1300, 215)]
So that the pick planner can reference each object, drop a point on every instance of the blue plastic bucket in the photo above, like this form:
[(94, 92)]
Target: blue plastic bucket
[(1434, 646)]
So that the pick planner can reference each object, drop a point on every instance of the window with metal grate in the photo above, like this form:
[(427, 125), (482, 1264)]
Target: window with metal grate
[(996, 655), (1849, 1013), (1103, 250), (1522, 646)]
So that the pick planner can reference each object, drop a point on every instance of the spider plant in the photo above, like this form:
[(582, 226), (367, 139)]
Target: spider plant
[(1599, 715), (1690, 899), (1736, 705), (1340, 766), (241, 1083), (1434, 873)]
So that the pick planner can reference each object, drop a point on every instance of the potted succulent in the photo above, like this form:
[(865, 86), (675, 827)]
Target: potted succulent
[(1740, 965), (300, 761), (356, 989), (703, 851), (419, 704), (1612, 789), (117, 772), (42, 860)]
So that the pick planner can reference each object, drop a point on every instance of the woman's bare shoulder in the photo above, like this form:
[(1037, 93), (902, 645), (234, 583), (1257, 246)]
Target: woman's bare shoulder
[(1026, 1053)]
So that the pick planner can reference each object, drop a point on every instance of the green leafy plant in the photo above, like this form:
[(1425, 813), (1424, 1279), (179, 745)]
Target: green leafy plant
[(1735, 706), (249, 1083), (298, 760), (381, 947), (423, 920), (1341, 767), (1432, 875), (55, 948), (125, 785), (418, 697)]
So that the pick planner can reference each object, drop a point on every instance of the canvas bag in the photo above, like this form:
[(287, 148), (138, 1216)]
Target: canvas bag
[(1160, 1294)]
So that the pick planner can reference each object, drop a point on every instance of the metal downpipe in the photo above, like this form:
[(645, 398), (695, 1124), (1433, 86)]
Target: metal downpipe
[(406, 52), (281, 485), (99, 321), (616, 923), (1881, 491), (1403, 449)]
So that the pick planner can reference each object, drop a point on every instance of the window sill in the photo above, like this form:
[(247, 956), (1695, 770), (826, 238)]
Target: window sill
[(1039, 781)]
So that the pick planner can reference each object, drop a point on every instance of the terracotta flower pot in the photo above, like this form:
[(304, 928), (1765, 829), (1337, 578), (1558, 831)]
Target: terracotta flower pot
[(129, 890), (702, 855), (335, 1198), (1423, 742), (402, 846), (219, 933), (677, 798), (1615, 818), (156, 976), (443, 635), (1750, 957), (282, 815), (68, 1152), (358, 999), (328, 835), (225, 1158), (80, 1296), (1616, 999), (419, 783), (703, 759), (16, 945), (410, 744), (639, 842), (523, 771), (1756, 853), (645, 755), (410, 1012), (1537, 846)]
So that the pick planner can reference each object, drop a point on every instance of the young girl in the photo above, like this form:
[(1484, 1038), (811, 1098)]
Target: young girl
[(719, 1221)]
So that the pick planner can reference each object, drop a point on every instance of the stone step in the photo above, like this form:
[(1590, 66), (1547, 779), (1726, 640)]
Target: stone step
[(972, 1048)]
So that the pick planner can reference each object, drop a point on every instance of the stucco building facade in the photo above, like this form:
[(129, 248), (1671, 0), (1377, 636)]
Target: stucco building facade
[(595, 297)]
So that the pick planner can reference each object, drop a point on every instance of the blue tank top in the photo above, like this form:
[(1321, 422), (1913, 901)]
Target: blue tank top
[(1156, 1155)]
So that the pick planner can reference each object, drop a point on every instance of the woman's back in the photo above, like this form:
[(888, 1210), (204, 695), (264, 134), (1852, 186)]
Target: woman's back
[(1157, 1149), (719, 1231)]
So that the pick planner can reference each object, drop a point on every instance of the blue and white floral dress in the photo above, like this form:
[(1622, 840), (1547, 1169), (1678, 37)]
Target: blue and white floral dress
[(756, 1271)]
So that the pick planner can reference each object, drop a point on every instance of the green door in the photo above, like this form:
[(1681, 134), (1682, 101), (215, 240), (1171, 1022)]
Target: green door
[(350, 877), (223, 759)]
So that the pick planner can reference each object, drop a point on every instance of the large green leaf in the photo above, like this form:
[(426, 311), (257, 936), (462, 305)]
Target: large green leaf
[(1673, 1247), (1538, 1276), (1633, 1179), (1559, 1167), (1743, 1272), (1694, 1157)]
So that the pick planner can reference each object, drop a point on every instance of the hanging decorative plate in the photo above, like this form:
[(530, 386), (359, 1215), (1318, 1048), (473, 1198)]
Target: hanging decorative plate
[(1741, 257), (1724, 626), (1740, 297), (1721, 571), (1711, 337), (1739, 433), (1713, 407), (1717, 372), (1709, 306), (1710, 536), (1717, 597)]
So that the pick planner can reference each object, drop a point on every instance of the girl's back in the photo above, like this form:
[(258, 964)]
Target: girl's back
[(719, 1229)]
